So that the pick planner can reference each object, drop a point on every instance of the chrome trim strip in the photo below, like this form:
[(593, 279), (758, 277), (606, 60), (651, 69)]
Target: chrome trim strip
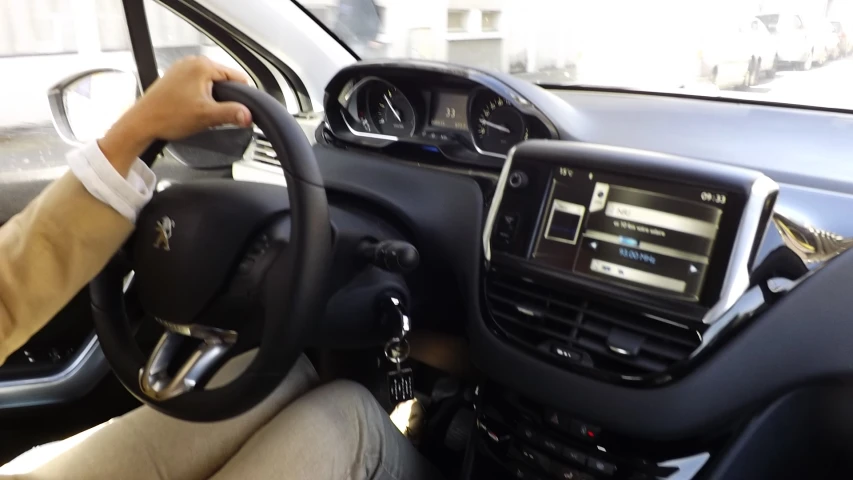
[(77, 378), (496, 203), (357, 86), (687, 467), (156, 382), (746, 305), (485, 152), (750, 231), (377, 136)]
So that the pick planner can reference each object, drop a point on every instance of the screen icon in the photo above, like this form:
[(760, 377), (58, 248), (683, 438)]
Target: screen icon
[(599, 197)]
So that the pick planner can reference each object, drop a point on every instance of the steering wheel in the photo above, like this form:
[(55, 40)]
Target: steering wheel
[(224, 266)]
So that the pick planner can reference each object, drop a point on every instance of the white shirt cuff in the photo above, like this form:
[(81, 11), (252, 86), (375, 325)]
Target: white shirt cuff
[(128, 195)]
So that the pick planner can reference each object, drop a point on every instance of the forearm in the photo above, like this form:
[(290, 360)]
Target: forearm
[(48, 253)]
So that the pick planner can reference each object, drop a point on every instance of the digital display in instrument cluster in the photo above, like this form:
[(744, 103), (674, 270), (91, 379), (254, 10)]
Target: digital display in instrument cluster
[(450, 110), (656, 236)]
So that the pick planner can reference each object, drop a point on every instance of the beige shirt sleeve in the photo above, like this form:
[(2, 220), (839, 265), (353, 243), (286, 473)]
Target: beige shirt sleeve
[(48, 253)]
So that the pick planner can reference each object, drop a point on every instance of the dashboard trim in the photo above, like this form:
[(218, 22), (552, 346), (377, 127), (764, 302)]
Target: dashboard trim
[(755, 219), (496, 202), (487, 153), (377, 136)]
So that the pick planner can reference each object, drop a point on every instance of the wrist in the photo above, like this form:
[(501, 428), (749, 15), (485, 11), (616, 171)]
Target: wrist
[(125, 141)]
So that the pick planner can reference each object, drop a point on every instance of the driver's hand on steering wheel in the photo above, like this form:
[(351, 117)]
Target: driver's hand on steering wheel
[(175, 106)]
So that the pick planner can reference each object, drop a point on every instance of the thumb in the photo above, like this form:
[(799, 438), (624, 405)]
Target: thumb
[(229, 112)]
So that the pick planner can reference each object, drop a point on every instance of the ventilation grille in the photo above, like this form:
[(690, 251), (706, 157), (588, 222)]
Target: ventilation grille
[(263, 150), (571, 329)]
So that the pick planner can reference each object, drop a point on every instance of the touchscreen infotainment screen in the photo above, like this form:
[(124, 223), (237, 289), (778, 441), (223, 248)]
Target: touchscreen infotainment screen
[(654, 236)]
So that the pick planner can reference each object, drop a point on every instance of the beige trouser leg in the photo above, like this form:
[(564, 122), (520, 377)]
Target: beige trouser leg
[(335, 432), (145, 444)]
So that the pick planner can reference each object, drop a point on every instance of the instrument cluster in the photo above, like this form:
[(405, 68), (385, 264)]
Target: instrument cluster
[(466, 121)]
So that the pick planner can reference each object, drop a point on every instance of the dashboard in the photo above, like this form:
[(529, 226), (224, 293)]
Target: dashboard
[(463, 114), (647, 276)]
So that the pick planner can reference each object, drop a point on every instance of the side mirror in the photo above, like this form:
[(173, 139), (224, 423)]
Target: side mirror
[(85, 105)]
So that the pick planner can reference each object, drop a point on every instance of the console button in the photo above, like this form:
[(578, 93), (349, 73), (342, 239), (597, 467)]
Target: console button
[(557, 419), (246, 266), (574, 455), (507, 226), (532, 456), (550, 446), (520, 472), (517, 179), (528, 434), (566, 354), (493, 431), (584, 430), (564, 472), (600, 466)]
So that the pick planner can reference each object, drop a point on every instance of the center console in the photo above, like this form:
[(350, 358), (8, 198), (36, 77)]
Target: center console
[(609, 266)]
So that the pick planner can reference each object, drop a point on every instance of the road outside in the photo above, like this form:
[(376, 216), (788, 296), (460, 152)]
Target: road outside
[(35, 147), (830, 85)]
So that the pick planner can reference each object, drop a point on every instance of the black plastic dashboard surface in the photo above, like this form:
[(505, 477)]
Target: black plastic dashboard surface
[(803, 339), (788, 346)]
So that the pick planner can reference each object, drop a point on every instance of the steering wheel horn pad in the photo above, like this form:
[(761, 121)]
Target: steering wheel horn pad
[(208, 230), (179, 271)]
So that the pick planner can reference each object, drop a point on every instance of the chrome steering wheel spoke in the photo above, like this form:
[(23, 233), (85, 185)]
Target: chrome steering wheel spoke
[(155, 380)]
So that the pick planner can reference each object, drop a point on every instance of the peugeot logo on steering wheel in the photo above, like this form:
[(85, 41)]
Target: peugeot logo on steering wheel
[(164, 232)]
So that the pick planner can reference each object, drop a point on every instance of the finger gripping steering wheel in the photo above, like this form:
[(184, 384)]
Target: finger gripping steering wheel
[(224, 266)]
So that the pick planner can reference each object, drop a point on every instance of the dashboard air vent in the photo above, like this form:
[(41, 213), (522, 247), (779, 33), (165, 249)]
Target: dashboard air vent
[(263, 150), (571, 329)]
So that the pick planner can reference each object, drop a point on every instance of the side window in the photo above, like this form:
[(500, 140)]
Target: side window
[(45, 41), (796, 23), (41, 43), (174, 38)]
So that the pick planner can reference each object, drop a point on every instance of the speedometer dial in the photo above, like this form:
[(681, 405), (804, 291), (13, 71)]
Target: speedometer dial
[(499, 125), (390, 110)]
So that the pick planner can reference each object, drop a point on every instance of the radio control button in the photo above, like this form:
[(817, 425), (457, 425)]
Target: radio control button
[(529, 435), (584, 430), (566, 354), (517, 179), (507, 226), (551, 446), (557, 419), (574, 455), (600, 466), (521, 472), (568, 473)]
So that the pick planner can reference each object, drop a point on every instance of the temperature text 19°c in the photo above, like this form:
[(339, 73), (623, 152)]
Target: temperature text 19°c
[(711, 197)]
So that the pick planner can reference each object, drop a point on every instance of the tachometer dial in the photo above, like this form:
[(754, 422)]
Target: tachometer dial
[(390, 110), (498, 126)]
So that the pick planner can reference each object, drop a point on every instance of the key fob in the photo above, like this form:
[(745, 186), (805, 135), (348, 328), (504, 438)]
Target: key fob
[(401, 386)]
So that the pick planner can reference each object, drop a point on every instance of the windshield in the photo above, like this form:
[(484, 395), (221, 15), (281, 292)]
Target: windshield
[(787, 51)]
